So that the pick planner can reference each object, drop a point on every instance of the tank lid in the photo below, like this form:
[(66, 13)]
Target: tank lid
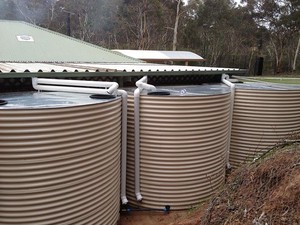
[(193, 90), (267, 86), (29, 100)]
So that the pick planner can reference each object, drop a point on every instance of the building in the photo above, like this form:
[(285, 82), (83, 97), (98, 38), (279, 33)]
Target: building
[(28, 51)]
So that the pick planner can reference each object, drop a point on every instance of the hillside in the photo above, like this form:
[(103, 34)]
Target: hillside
[(266, 192)]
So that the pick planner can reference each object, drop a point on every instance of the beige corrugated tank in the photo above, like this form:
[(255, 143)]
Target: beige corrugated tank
[(262, 118), (60, 165), (183, 143)]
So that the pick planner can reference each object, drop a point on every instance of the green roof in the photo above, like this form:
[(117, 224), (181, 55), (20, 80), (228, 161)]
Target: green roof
[(24, 42)]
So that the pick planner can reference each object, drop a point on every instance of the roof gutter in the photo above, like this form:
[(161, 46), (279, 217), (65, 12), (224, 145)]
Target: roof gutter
[(28, 74)]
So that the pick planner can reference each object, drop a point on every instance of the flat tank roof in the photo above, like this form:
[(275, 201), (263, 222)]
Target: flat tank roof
[(34, 100), (190, 90), (267, 86)]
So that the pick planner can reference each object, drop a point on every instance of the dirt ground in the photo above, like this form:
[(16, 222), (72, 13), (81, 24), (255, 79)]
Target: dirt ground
[(160, 218), (265, 192)]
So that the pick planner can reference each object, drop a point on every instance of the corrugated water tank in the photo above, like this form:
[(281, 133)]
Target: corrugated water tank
[(263, 116), (59, 159), (183, 140)]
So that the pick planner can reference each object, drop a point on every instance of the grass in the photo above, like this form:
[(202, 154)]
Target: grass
[(277, 80), (280, 80)]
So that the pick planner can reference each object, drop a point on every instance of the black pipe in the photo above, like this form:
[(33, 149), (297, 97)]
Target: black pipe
[(127, 208)]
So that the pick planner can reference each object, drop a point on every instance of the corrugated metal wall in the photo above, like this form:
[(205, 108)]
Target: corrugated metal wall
[(261, 119), (60, 166), (183, 144)]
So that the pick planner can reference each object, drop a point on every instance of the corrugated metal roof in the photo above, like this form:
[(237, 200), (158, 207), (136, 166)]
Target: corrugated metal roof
[(26, 50), (104, 67), (153, 55), (24, 42)]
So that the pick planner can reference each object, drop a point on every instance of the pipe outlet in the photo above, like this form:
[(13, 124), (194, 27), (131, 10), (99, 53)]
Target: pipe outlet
[(139, 197)]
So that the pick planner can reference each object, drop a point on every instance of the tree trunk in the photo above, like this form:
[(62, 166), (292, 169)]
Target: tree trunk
[(250, 60), (276, 67), (296, 54), (176, 26)]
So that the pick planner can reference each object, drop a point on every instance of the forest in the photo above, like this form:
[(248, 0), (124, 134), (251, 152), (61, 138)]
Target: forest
[(226, 33)]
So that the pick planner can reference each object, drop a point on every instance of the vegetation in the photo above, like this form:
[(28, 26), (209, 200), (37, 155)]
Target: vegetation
[(222, 31), (277, 80), (280, 80), (260, 193)]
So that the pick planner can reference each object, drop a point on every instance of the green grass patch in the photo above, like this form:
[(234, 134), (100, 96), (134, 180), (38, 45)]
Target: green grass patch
[(277, 80)]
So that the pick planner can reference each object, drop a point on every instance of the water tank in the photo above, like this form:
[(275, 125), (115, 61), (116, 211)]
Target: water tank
[(59, 159), (183, 139), (264, 115)]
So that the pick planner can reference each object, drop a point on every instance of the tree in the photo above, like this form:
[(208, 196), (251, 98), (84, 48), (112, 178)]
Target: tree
[(282, 20), (296, 55), (91, 20), (8, 10), (179, 2), (224, 33), (219, 31), (35, 11), (146, 24)]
